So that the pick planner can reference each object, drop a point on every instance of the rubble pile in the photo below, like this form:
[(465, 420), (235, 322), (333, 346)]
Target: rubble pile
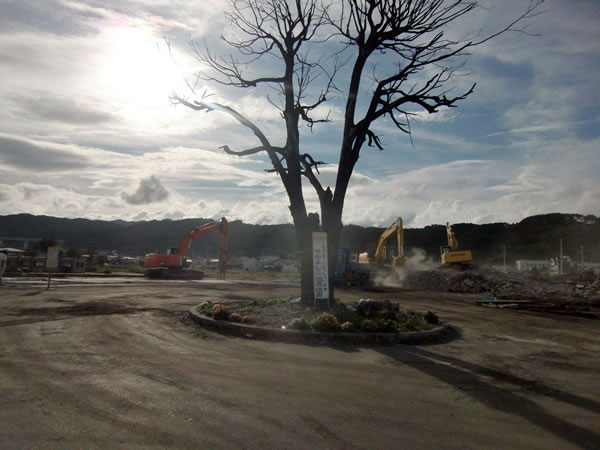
[(513, 285)]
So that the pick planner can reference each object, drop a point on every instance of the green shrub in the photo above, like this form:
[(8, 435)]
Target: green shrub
[(347, 326), (386, 326), (415, 322), (221, 312), (386, 313), (350, 316), (432, 317), (368, 326), (299, 324), (235, 317), (325, 322), (206, 308), (402, 328)]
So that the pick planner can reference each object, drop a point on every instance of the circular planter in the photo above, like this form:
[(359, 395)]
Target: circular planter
[(437, 334)]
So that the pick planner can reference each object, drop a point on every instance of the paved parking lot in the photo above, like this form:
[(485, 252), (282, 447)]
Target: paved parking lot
[(109, 363)]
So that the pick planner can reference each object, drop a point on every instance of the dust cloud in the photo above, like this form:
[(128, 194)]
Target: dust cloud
[(417, 261)]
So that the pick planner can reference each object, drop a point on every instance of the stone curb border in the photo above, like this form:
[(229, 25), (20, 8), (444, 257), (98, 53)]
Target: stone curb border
[(311, 338)]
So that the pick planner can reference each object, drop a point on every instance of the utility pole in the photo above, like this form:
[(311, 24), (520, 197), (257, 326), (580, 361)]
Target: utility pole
[(581, 250), (560, 261), (504, 257)]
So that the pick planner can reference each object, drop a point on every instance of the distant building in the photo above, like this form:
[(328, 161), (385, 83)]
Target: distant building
[(18, 262), (247, 263), (12, 251), (567, 265), (71, 265), (594, 267), (290, 267), (22, 243), (525, 265), (271, 263)]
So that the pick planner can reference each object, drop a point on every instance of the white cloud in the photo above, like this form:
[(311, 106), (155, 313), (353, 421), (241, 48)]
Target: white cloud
[(86, 116), (150, 190), (475, 191)]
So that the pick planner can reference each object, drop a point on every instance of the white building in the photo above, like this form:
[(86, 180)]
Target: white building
[(290, 267), (525, 265), (250, 264)]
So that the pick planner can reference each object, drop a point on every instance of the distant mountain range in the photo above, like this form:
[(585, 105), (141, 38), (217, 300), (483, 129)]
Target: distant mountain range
[(535, 237)]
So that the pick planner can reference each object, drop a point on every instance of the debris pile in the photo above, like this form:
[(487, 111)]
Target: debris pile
[(514, 285)]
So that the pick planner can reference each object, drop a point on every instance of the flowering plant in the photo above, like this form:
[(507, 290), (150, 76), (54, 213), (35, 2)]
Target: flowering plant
[(221, 312), (325, 322)]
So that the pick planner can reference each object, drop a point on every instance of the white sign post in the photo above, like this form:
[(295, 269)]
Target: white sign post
[(320, 271), (51, 262), (52, 259)]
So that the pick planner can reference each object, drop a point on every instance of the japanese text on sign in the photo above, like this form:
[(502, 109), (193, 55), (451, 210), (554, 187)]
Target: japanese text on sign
[(320, 272), (52, 258)]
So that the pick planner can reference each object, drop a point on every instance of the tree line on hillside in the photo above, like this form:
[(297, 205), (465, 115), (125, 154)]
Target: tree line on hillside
[(535, 237)]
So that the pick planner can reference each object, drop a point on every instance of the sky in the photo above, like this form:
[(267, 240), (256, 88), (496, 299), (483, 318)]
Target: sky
[(87, 128)]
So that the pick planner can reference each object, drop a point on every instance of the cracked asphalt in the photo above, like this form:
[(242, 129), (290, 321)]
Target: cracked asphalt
[(110, 363)]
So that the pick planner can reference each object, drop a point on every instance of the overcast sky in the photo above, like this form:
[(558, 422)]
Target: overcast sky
[(87, 130)]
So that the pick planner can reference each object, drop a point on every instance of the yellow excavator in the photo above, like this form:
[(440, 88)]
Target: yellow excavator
[(451, 254), (356, 269), (382, 254)]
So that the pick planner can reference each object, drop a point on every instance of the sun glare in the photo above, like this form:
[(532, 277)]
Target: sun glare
[(138, 72)]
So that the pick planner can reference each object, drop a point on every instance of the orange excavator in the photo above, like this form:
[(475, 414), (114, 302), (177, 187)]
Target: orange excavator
[(173, 265)]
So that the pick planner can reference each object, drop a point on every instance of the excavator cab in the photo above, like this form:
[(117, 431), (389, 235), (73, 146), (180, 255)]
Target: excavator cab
[(390, 255), (451, 254)]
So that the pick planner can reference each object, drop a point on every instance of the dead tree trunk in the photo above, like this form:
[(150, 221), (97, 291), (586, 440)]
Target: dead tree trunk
[(304, 230), (412, 32)]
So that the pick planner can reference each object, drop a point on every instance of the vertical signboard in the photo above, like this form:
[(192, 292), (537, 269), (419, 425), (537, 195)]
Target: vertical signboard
[(320, 272), (52, 259)]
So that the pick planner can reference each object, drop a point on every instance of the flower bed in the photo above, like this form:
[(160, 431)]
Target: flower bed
[(366, 316)]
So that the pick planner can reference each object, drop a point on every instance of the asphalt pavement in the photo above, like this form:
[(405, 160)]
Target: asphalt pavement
[(111, 364)]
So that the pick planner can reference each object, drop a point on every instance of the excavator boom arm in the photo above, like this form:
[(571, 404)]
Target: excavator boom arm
[(185, 243), (452, 242), (397, 228)]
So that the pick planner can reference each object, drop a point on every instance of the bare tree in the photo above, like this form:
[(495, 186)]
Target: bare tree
[(284, 35)]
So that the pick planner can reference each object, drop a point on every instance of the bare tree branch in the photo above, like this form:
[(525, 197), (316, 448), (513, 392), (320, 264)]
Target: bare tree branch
[(251, 151), (202, 105), (308, 163), (278, 44), (272, 29)]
